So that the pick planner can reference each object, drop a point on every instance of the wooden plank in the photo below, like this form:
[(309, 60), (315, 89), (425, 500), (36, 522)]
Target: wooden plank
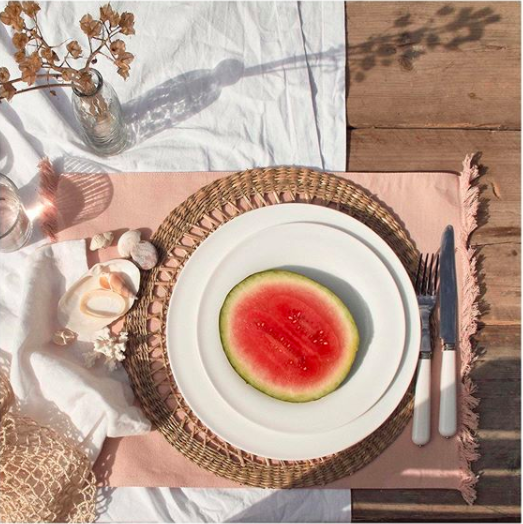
[(434, 64), (436, 150), (499, 276), (498, 350)]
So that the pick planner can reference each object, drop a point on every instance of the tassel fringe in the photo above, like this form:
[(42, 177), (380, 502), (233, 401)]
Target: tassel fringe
[(470, 312)]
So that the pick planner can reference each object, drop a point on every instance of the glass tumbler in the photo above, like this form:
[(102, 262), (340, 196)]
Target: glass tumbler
[(15, 226)]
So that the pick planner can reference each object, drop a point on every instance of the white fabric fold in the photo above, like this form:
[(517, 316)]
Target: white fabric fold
[(224, 505), (51, 382), (214, 86)]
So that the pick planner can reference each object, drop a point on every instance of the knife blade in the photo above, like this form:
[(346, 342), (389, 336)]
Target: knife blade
[(448, 295), (448, 299)]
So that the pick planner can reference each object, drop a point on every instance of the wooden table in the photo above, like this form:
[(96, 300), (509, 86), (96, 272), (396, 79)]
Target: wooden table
[(427, 83)]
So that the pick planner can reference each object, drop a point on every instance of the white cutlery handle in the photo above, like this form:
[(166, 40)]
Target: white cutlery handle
[(447, 405), (421, 421)]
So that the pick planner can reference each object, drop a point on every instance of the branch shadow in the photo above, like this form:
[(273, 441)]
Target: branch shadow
[(6, 154), (448, 29)]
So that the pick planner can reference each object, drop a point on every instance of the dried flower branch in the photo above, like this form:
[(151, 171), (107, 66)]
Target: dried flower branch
[(34, 54)]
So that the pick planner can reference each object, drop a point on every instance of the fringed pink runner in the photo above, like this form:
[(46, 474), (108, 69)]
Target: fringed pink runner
[(81, 205)]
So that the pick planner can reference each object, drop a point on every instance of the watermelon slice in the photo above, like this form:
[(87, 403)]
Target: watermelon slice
[(288, 336)]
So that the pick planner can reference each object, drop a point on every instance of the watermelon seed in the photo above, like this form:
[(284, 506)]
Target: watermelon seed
[(305, 368)]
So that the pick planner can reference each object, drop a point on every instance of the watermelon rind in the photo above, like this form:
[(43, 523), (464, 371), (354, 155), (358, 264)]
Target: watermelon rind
[(345, 315)]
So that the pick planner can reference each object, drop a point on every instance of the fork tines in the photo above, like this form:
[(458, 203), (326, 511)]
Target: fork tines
[(427, 275)]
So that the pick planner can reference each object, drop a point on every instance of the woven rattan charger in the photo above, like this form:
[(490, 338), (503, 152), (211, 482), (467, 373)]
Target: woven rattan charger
[(147, 363)]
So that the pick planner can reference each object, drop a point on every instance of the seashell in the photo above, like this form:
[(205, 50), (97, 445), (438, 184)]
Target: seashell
[(127, 241), (106, 296), (101, 240), (63, 337), (144, 254), (115, 282), (72, 317)]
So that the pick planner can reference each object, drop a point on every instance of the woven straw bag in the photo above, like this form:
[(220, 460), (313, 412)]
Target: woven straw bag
[(43, 477)]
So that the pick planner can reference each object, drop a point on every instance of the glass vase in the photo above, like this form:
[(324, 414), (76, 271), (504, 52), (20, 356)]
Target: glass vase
[(15, 226), (99, 114)]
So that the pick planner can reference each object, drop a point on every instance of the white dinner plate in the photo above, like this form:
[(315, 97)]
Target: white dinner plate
[(344, 265), (195, 384)]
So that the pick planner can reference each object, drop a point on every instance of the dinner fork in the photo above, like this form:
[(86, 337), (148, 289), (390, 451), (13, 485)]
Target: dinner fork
[(426, 286)]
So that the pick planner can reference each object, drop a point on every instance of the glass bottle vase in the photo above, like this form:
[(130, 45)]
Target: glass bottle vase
[(98, 112)]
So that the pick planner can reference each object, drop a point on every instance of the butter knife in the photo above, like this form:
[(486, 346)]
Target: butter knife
[(448, 298)]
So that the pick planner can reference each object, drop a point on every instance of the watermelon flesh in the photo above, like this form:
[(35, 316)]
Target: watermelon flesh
[(288, 336)]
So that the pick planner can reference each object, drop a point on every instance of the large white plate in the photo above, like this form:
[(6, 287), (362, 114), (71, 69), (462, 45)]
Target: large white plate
[(198, 389), (350, 269)]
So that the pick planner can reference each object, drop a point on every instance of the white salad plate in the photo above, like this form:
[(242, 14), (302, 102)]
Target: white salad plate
[(344, 265), (196, 298)]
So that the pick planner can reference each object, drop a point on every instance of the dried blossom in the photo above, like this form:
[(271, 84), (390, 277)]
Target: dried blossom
[(11, 16), (68, 74), (107, 14), (4, 75), (48, 54), (19, 56), (102, 34), (127, 24), (90, 27), (124, 64), (30, 8), (7, 90), (117, 47), (84, 81), (29, 67), (20, 40), (74, 49)]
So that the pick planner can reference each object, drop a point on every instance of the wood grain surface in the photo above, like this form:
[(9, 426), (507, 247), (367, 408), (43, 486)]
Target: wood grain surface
[(428, 83)]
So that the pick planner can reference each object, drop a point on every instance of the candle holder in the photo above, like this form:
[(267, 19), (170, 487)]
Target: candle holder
[(15, 226)]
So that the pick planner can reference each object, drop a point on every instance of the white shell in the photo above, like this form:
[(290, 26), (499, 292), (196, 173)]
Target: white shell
[(70, 315), (101, 240), (112, 304), (144, 254), (127, 241), (63, 337)]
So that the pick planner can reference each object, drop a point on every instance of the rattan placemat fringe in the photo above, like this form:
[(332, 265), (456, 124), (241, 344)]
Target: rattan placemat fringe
[(147, 363)]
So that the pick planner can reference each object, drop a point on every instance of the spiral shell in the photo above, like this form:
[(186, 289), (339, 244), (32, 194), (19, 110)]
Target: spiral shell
[(101, 240), (115, 282)]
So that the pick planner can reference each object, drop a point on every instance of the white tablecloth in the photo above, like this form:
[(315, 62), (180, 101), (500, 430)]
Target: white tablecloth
[(214, 86)]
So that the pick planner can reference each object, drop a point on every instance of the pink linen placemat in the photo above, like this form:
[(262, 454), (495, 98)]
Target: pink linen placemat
[(424, 203)]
